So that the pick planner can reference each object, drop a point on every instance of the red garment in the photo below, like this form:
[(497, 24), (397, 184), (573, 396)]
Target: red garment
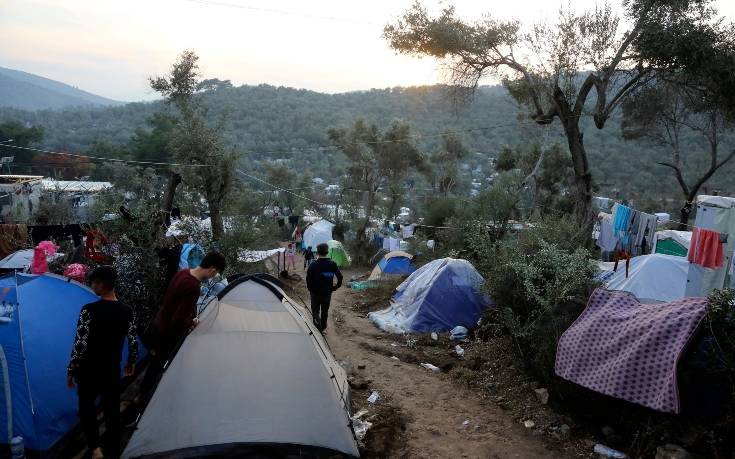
[(179, 306), (706, 249)]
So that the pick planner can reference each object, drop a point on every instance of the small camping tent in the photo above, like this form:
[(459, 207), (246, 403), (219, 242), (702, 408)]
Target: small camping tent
[(671, 242), (393, 265), (437, 297), (37, 328), (318, 233), (652, 278), (254, 379), (338, 254)]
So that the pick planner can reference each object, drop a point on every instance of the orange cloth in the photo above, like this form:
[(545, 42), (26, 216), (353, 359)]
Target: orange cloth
[(706, 249)]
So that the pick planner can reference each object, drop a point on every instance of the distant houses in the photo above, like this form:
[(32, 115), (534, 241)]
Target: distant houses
[(21, 196)]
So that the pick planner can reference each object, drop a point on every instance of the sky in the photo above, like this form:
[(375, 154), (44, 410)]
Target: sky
[(110, 48)]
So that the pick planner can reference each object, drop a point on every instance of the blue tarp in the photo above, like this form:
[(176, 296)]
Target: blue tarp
[(396, 265), (42, 324), (437, 297), (191, 256)]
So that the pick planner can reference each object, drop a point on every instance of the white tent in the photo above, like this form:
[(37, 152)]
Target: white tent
[(652, 278), (318, 233)]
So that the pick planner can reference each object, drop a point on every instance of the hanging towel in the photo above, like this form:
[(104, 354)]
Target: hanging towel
[(706, 249), (621, 215)]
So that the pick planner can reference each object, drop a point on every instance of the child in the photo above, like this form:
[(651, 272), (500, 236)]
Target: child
[(291, 257), (94, 368)]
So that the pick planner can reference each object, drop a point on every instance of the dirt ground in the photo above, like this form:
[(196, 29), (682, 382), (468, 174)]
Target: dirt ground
[(422, 414)]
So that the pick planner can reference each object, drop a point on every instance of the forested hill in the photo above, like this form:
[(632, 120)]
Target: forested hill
[(32, 92), (267, 122)]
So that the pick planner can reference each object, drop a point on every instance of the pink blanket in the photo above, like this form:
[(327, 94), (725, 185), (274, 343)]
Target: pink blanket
[(629, 350)]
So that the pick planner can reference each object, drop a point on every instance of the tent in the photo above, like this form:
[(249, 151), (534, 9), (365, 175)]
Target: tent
[(19, 260), (652, 278), (437, 297), (318, 233), (191, 256), (37, 326), (393, 265), (671, 242), (254, 379), (338, 254)]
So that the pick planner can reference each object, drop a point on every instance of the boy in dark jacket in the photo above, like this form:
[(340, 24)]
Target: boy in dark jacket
[(94, 368), (320, 282)]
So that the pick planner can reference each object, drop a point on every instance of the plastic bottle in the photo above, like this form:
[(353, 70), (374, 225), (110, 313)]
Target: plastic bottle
[(17, 448)]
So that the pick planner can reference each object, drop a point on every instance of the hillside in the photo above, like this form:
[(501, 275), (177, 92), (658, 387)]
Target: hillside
[(31, 92), (267, 123)]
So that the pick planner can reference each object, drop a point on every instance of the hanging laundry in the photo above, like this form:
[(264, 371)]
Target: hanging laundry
[(621, 217), (606, 240), (646, 229), (706, 249)]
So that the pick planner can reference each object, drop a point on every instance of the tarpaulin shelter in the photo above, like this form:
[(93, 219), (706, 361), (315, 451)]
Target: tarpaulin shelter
[(338, 254), (393, 265), (37, 329), (672, 242), (254, 379), (437, 297), (651, 278), (319, 232)]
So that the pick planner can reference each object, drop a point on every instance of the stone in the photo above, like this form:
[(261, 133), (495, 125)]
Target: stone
[(529, 424), (671, 451), (542, 395)]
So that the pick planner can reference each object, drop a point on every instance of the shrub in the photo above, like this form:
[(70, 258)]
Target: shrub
[(540, 284)]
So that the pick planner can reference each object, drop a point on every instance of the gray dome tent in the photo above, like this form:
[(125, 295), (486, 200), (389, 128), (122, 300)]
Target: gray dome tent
[(254, 379)]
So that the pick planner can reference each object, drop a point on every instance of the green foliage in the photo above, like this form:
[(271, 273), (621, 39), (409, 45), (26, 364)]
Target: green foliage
[(539, 281), (193, 141), (154, 144)]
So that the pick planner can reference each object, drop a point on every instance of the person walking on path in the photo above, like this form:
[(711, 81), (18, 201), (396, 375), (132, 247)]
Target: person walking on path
[(176, 317), (308, 257), (291, 257), (94, 368), (320, 282)]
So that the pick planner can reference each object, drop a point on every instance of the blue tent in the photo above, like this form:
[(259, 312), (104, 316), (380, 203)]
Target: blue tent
[(437, 297), (393, 264), (38, 317), (191, 256)]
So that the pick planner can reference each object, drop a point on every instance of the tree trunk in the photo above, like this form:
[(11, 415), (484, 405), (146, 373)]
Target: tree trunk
[(168, 197), (215, 216), (685, 213), (582, 175)]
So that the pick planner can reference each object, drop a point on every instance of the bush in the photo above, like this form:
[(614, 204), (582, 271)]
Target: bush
[(540, 284)]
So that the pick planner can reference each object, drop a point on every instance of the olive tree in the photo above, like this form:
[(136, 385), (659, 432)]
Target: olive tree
[(582, 64)]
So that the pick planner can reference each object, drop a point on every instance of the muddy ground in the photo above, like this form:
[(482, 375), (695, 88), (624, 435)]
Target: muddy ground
[(478, 406)]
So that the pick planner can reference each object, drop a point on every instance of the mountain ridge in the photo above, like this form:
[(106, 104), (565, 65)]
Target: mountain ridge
[(27, 91)]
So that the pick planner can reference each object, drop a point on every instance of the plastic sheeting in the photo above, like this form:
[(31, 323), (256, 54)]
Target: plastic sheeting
[(652, 278), (318, 233), (437, 297)]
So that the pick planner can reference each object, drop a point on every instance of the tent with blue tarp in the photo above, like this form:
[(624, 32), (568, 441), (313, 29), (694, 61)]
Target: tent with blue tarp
[(437, 297), (38, 318), (394, 264), (191, 256)]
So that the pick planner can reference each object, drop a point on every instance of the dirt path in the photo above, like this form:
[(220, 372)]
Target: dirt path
[(443, 419)]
